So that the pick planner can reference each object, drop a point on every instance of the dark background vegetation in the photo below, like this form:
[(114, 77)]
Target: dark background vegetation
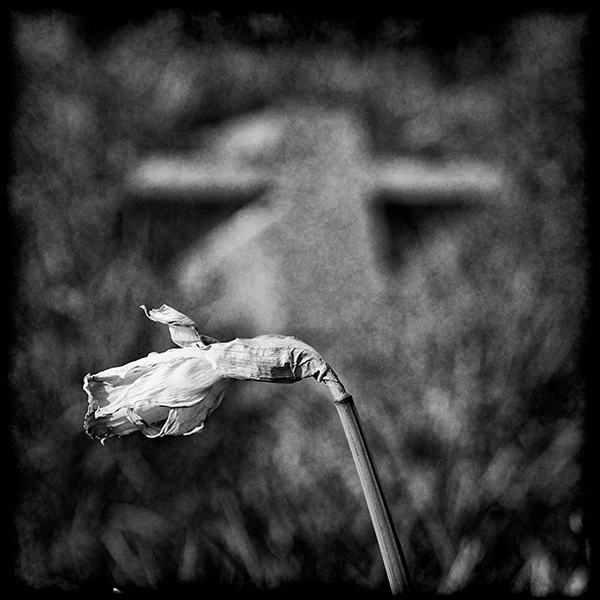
[(472, 381)]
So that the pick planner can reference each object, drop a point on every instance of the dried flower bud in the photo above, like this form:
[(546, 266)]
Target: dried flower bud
[(174, 392), (269, 358)]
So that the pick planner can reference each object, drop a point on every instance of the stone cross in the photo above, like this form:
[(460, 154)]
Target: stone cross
[(306, 253)]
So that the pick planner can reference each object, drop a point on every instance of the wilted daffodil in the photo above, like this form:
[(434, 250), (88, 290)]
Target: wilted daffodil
[(173, 392)]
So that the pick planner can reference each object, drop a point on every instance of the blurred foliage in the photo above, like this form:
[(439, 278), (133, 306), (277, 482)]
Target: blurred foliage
[(470, 379)]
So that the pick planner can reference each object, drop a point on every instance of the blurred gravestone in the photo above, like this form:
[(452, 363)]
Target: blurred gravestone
[(296, 219)]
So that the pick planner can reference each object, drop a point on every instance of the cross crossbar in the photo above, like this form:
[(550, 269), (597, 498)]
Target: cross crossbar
[(193, 178)]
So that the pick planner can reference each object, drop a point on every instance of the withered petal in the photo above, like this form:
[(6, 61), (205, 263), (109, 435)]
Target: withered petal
[(182, 328), (168, 393)]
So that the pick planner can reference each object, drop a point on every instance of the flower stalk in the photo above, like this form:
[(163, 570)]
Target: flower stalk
[(393, 557), (390, 548), (174, 392)]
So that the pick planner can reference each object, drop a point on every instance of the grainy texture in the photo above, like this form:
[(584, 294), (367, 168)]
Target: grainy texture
[(464, 343)]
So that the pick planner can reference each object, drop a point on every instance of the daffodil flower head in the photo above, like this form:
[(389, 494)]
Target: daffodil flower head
[(174, 392)]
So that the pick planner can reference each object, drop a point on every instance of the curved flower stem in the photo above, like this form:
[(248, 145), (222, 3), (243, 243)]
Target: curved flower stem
[(389, 545)]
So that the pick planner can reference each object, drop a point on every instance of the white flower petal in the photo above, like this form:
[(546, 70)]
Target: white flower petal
[(182, 328), (148, 393)]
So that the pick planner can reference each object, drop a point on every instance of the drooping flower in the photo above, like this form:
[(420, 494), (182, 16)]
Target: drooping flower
[(174, 392)]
